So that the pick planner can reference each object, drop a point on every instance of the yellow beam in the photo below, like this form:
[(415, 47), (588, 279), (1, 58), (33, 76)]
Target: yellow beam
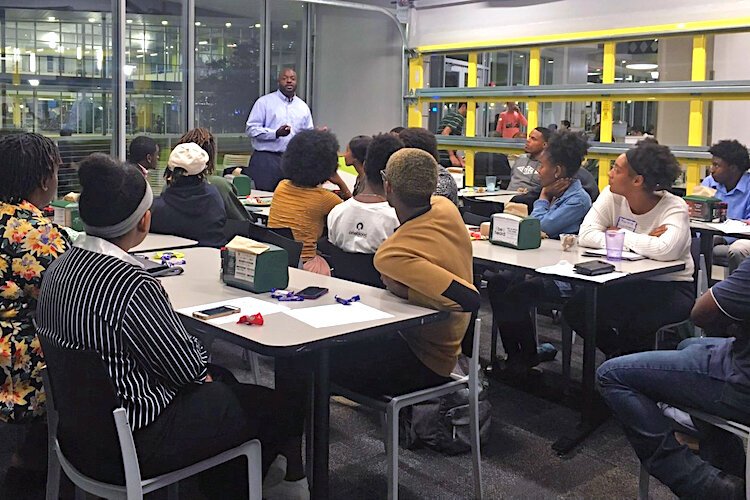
[(470, 126), (534, 79), (606, 34), (605, 130), (695, 124), (416, 81)]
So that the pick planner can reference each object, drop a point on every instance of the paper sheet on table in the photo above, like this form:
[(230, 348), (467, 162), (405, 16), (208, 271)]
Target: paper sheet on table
[(337, 314), (247, 305), (565, 269), (602, 252), (730, 227)]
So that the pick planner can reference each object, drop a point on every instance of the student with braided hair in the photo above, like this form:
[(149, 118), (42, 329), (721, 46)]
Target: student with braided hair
[(29, 243), (205, 139)]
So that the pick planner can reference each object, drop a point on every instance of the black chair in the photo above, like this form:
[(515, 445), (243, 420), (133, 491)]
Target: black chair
[(496, 164), (481, 207), (281, 237), (357, 267), (473, 219)]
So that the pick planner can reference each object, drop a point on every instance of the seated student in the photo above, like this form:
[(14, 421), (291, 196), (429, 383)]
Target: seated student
[(428, 261), (299, 202), (560, 208), (420, 138), (708, 374), (205, 139), (179, 415), (362, 223), (354, 156), (189, 206), (143, 152), (731, 180), (657, 226), (29, 244)]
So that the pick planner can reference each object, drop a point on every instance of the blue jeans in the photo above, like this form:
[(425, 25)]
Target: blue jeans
[(632, 385)]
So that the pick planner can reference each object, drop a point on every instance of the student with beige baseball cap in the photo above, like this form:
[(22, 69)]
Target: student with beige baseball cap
[(189, 206)]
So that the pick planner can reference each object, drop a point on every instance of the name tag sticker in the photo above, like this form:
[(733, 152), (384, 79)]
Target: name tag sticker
[(625, 223)]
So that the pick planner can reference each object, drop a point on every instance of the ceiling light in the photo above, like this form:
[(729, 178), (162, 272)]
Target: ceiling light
[(128, 69), (285, 26), (129, 21), (203, 42), (34, 82), (139, 56), (197, 23), (257, 25), (51, 19), (92, 20), (231, 45), (642, 66), (624, 61), (164, 23), (593, 73), (228, 25), (550, 61), (154, 54)]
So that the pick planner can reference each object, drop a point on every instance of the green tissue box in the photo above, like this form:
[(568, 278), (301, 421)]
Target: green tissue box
[(66, 214), (256, 272), (521, 233)]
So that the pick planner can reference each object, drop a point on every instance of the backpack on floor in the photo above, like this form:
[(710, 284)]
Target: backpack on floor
[(442, 424)]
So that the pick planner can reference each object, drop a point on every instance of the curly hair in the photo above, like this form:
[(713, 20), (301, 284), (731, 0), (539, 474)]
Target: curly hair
[(412, 174), (732, 152), (655, 163), (311, 158), (420, 138), (205, 139), (26, 161), (379, 151), (567, 149), (358, 146)]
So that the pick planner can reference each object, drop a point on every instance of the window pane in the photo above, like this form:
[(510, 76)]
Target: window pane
[(288, 41)]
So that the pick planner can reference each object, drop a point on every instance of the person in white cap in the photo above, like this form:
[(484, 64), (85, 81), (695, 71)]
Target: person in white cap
[(189, 206)]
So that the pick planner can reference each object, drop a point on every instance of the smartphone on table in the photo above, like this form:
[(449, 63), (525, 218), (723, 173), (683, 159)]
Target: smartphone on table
[(216, 312), (312, 292)]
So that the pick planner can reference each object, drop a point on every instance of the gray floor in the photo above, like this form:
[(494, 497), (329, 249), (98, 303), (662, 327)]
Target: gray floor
[(518, 461)]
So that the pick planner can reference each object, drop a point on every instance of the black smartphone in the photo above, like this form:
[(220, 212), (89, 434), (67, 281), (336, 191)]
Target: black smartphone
[(312, 292), (216, 312)]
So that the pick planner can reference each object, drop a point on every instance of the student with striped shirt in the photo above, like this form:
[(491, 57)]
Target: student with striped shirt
[(98, 297)]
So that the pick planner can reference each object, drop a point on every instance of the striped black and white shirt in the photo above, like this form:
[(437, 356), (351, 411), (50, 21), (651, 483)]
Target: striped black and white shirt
[(96, 296)]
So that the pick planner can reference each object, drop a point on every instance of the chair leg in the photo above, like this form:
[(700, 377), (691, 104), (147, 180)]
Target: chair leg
[(567, 346), (392, 452), (476, 452), (643, 480), (254, 473), (53, 474), (493, 343)]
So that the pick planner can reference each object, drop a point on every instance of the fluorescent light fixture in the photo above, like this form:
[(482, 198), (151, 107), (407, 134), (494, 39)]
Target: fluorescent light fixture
[(154, 54), (164, 23), (197, 23), (285, 26), (128, 69), (550, 61), (593, 73), (34, 82), (642, 66), (203, 42), (129, 21), (32, 62), (228, 25), (139, 56), (92, 20), (51, 19), (257, 25), (231, 45)]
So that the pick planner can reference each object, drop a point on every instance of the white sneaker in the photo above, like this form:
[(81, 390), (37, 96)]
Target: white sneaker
[(276, 472), (288, 490)]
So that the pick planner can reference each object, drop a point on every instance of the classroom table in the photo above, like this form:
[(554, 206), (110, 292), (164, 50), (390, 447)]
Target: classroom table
[(550, 253), (282, 335), (462, 193), (155, 242), (256, 211)]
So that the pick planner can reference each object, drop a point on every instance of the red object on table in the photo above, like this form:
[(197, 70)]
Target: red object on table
[(254, 319)]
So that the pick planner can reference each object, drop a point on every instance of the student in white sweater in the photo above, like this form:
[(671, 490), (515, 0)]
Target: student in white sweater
[(362, 223), (657, 226)]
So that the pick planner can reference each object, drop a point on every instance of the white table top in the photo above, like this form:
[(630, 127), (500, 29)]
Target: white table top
[(155, 242), (473, 194), (550, 253), (495, 197), (200, 285)]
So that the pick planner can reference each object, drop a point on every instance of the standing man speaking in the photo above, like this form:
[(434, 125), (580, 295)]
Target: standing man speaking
[(273, 121)]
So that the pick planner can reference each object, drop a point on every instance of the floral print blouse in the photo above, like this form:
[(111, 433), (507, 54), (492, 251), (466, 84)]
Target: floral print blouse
[(29, 242)]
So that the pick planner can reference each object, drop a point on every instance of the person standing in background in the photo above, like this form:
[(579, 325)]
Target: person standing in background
[(510, 122)]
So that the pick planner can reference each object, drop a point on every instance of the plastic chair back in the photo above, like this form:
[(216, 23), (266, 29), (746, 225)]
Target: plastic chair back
[(243, 184), (357, 267), (275, 236)]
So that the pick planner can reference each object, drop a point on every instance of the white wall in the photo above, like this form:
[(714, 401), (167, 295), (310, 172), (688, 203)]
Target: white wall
[(357, 72), (730, 118), (495, 19)]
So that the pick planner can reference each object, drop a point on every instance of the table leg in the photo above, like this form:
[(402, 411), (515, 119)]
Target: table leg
[(321, 409), (707, 249), (590, 418)]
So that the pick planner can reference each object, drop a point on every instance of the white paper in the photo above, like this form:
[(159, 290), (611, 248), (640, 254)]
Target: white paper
[(247, 305), (505, 229), (730, 227), (337, 314), (601, 252), (565, 269)]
